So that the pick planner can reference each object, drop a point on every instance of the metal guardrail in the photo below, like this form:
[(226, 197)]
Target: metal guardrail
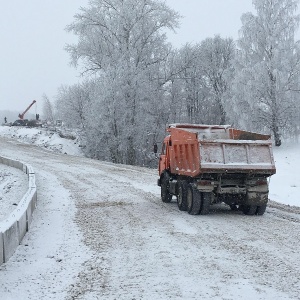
[(15, 226)]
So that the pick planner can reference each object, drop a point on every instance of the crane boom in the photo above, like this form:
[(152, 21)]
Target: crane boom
[(21, 116)]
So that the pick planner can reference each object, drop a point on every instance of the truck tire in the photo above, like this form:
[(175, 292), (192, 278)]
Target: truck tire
[(206, 197), (182, 195), (193, 200), (249, 210), (261, 210), (233, 207), (166, 197)]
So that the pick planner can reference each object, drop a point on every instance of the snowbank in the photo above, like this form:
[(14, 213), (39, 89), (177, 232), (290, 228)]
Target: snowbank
[(285, 184), (53, 139)]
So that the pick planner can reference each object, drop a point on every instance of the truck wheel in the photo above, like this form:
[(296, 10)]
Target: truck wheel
[(182, 195), (193, 200), (261, 210), (249, 210), (165, 194), (206, 197), (233, 207)]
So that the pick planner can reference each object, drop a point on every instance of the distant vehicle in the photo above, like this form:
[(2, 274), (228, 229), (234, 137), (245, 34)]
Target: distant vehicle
[(58, 122), (34, 123), (25, 122), (20, 122), (206, 164)]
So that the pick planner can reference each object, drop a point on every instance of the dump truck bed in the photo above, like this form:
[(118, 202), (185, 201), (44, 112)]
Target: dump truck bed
[(196, 150), (238, 156)]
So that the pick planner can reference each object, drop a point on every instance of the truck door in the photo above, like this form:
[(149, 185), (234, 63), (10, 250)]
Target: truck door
[(163, 157)]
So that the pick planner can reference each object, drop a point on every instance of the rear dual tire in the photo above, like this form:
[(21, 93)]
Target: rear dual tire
[(182, 195), (197, 202), (193, 200), (251, 210), (261, 210)]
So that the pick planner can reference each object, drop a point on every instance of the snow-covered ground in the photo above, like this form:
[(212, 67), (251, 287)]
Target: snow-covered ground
[(100, 231)]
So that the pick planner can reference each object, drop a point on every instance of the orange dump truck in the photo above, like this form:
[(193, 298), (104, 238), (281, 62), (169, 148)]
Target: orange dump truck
[(206, 164)]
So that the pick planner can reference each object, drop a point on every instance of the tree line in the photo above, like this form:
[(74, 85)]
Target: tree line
[(135, 82)]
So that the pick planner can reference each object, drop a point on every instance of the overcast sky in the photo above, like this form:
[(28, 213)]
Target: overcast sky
[(32, 55)]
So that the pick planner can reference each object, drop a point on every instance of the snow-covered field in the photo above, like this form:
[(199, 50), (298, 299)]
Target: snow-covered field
[(100, 231)]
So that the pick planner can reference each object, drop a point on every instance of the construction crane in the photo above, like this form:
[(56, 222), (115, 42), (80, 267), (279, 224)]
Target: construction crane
[(21, 116)]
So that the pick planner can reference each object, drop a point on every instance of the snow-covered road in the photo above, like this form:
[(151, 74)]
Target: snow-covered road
[(101, 232)]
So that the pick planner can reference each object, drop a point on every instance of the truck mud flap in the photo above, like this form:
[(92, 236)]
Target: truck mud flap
[(255, 198)]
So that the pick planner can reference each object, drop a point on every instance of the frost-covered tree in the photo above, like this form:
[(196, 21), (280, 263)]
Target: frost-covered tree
[(123, 43), (73, 103), (193, 92), (205, 81), (268, 65), (216, 63), (48, 111)]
